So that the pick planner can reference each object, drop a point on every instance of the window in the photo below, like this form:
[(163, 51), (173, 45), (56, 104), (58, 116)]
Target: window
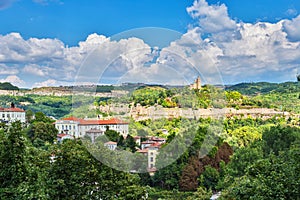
[(70, 127), (151, 159), (62, 127)]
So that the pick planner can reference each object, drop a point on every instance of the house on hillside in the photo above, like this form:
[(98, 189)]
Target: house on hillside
[(12, 114), (61, 137), (150, 148), (111, 145)]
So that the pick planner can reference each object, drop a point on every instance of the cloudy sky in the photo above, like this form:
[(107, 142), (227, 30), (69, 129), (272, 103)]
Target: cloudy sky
[(65, 42)]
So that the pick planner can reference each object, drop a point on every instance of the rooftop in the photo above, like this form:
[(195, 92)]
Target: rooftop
[(12, 110), (111, 142), (113, 121)]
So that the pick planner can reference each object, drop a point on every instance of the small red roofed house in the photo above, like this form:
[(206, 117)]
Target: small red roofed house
[(62, 136), (146, 144), (111, 145), (143, 151)]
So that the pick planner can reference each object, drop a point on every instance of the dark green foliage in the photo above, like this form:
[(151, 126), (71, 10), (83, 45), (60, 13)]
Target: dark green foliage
[(8, 86), (268, 169), (270, 178), (264, 88), (130, 143), (168, 177), (14, 162), (104, 88), (43, 131), (112, 135), (174, 194), (210, 177), (279, 138)]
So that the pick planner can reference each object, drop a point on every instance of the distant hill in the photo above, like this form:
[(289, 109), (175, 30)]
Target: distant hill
[(265, 88), (8, 86)]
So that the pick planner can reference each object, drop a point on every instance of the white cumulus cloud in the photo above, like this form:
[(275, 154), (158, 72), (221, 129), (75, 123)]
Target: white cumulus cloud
[(15, 80), (291, 27), (211, 18), (215, 47)]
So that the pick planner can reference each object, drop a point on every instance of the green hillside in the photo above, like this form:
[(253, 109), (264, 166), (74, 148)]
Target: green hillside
[(8, 86), (265, 88)]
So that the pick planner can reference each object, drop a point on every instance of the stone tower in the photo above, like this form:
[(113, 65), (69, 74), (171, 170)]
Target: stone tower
[(197, 84)]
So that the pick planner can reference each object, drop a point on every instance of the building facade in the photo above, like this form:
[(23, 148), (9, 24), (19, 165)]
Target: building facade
[(81, 127), (12, 114)]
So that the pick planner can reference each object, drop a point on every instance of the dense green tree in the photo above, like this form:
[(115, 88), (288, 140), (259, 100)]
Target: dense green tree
[(276, 177), (20, 178), (168, 177), (201, 194), (76, 174), (210, 177), (265, 170), (41, 117), (29, 115), (43, 131), (243, 136), (130, 143), (112, 135), (279, 138)]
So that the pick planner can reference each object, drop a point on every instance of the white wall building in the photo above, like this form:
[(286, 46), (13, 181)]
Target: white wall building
[(12, 114), (111, 145), (62, 136), (79, 127), (152, 153)]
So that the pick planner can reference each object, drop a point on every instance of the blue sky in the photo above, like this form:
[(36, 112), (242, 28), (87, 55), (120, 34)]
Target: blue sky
[(71, 21), (46, 42)]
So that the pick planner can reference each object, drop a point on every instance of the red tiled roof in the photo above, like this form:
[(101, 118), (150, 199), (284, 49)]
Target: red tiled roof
[(158, 139), (96, 121), (110, 142), (153, 169), (148, 142), (63, 135), (142, 151), (157, 144), (72, 118), (12, 110)]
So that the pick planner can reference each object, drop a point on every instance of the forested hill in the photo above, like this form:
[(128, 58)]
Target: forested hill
[(265, 88), (8, 86)]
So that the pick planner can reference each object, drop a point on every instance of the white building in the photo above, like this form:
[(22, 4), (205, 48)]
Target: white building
[(111, 145), (62, 136), (12, 114), (150, 149), (94, 133), (152, 153), (80, 127)]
